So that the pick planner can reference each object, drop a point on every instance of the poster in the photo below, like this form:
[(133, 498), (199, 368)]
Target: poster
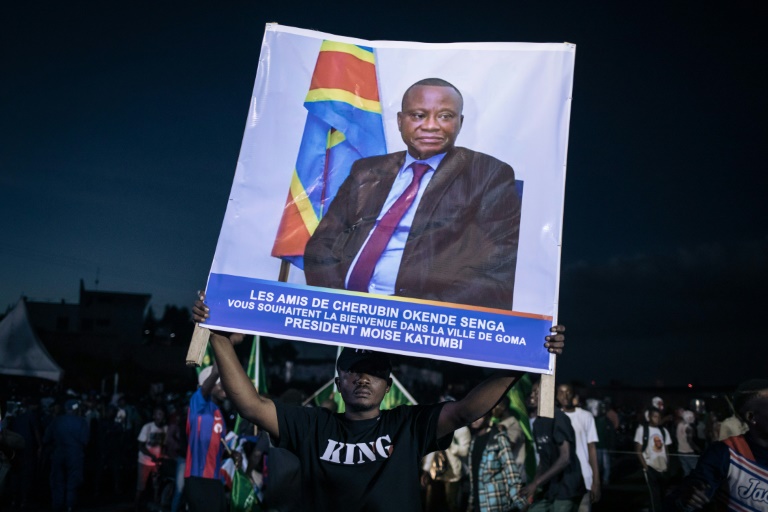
[(469, 269)]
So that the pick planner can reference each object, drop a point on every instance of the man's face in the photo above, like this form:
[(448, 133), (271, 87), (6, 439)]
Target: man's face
[(218, 393), (362, 388), (654, 418), (430, 121), (757, 415), (533, 400), (565, 396), (158, 416)]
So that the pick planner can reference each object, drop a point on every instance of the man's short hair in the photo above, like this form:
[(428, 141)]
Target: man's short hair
[(653, 409), (434, 82), (747, 391)]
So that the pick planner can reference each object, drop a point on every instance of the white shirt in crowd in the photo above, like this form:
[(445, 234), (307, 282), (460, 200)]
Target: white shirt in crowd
[(584, 426), (154, 436), (655, 454)]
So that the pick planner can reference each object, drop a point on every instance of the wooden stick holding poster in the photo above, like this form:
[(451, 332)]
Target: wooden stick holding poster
[(547, 395), (473, 277), (197, 345)]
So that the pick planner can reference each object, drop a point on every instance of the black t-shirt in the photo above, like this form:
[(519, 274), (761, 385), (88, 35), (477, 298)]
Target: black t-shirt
[(368, 465), (549, 434)]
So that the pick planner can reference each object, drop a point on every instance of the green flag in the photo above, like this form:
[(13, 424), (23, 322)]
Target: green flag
[(517, 398), (243, 496)]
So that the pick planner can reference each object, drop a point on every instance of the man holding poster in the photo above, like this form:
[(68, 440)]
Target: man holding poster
[(435, 222), (364, 459)]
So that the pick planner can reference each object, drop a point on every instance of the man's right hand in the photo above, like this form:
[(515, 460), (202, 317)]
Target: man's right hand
[(255, 408), (201, 313)]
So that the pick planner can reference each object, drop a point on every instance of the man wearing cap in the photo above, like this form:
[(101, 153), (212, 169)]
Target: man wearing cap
[(203, 487), (365, 458)]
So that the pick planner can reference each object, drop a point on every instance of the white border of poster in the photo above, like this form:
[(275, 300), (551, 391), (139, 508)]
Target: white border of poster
[(517, 101)]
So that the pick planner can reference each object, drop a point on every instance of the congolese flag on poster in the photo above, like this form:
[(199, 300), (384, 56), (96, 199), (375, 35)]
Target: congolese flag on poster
[(343, 124)]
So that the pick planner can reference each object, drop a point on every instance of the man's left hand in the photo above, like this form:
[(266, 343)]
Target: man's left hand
[(555, 341)]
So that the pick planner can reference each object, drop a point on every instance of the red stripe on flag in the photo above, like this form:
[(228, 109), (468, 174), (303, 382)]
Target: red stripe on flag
[(292, 235), (337, 70)]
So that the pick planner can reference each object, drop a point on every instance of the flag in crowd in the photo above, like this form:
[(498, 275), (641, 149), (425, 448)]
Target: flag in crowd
[(344, 124), (243, 495), (517, 398)]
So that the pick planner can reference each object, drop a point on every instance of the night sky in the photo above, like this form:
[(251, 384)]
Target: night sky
[(121, 126)]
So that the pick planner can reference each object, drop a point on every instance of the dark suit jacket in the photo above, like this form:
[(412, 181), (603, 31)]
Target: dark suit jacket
[(462, 246)]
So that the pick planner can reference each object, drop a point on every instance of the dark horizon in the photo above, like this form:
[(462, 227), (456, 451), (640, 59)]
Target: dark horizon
[(123, 125)]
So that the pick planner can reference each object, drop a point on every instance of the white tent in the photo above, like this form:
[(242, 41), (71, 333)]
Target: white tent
[(21, 351)]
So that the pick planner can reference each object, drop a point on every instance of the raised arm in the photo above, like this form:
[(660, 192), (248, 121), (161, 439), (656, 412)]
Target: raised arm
[(248, 402), (485, 395), (478, 401)]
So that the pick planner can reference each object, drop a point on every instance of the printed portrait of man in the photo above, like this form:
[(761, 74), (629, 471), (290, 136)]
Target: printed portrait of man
[(435, 222)]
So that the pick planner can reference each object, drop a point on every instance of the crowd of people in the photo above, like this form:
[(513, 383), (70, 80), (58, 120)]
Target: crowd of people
[(182, 453)]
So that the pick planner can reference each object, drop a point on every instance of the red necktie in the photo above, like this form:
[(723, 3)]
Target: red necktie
[(366, 263)]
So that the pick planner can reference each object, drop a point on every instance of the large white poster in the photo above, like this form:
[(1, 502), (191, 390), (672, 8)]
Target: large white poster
[(469, 270)]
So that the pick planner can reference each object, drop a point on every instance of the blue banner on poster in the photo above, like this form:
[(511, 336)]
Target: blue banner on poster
[(471, 335)]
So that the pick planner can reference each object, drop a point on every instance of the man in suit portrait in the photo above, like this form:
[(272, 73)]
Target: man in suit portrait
[(435, 222)]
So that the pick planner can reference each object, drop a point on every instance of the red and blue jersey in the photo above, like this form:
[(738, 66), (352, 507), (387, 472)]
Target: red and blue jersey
[(205, 430)]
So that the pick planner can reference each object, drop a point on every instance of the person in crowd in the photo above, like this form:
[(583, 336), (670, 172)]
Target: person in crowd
[(443, 473), (666, 418), (734, 471), (130, 420), (651, 441), (110, 439), (354, 461), (686, 447), (731, 426), (203, 487), (69, 435), (586, 444), (151, 449), (558, 485), (606, 437), (502, 415), (11, 443), (176, 450), (27, 424), (496, 478)]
